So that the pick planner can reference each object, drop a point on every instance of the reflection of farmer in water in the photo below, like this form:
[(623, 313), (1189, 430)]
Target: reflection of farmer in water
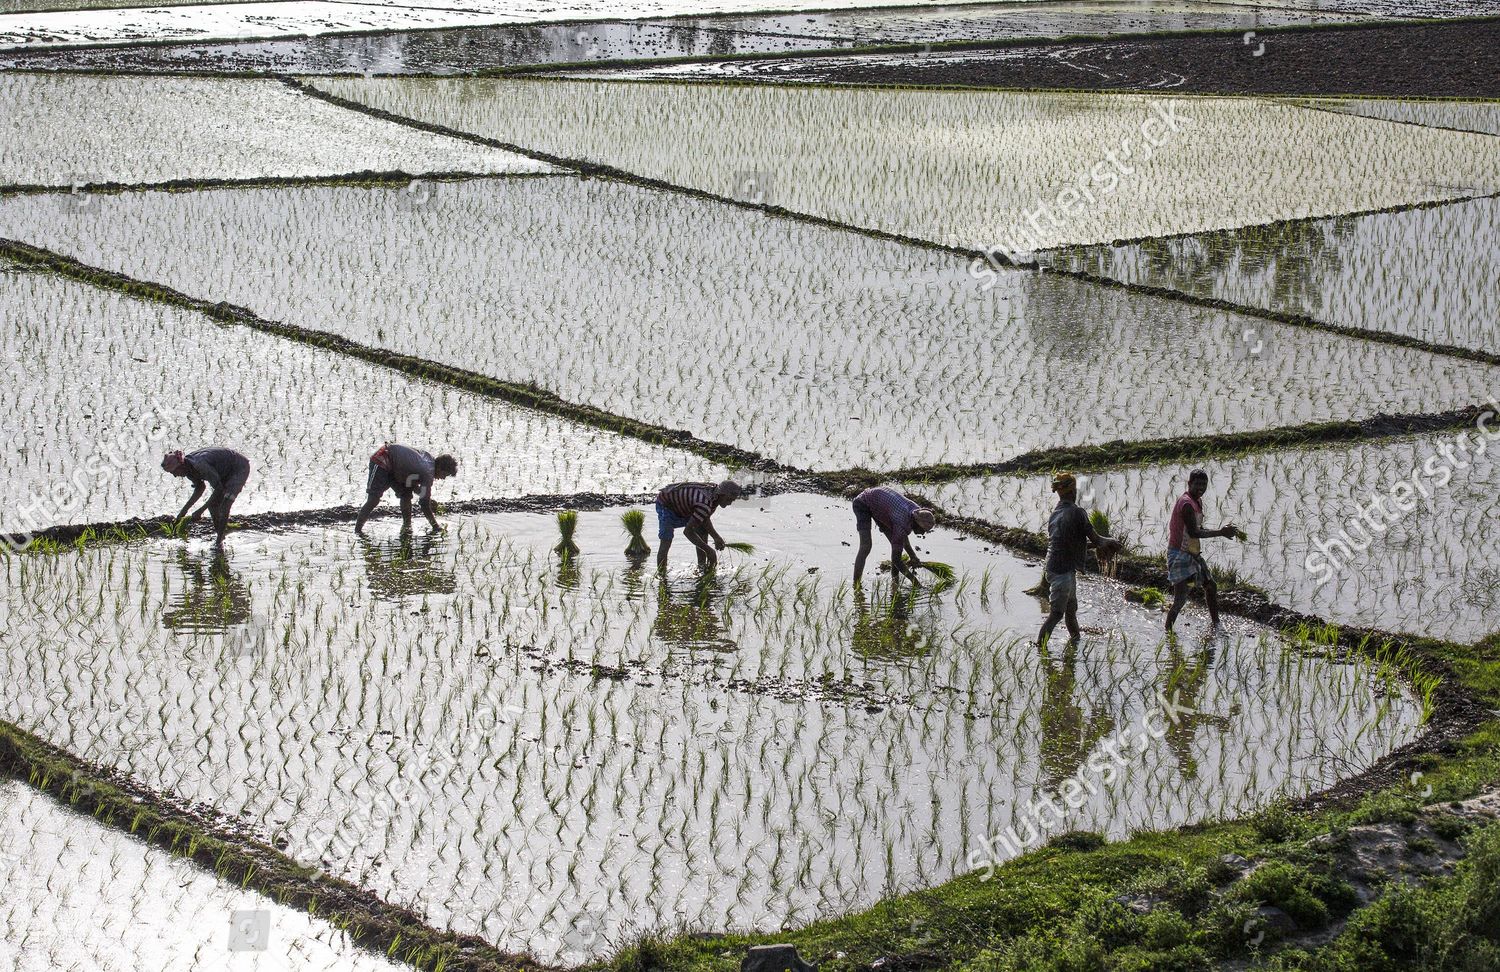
[(403, 568), (1184, 686), (224, 471), (691, 622), (1068, 736), (214, 598)]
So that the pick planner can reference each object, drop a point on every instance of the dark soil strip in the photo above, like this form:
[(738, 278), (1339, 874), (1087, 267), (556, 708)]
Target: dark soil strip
[(528, 396), (364, 178), (1450, 58), (1186, 448), (202, 836), (598, 170)]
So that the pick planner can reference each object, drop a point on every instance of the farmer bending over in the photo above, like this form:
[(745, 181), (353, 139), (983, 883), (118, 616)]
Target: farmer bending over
[(223, 470), (405, 470), (1185, 552), (898, 518), (1069, 534), (690, 507)]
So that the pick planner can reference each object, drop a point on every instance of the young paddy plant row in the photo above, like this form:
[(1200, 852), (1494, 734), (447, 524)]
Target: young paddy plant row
[(506, 739), (965, 168), (87, 450), (811, 346)]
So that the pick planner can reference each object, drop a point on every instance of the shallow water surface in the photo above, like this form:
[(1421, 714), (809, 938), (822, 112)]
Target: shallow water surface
[(557, 755)]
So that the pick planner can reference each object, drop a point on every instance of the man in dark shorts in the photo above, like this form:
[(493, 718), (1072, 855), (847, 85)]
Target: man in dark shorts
[(1185, 553), (1069, 534), (224, 471), (690, 507), (898, 518), (407, 471)]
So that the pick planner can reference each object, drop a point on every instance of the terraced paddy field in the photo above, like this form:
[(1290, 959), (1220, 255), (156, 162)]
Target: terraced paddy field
[(507, 742), (973, 169), (1423, 273), (560, 283), (1425, 570), (81, 895), (310, 418), (77, 133)]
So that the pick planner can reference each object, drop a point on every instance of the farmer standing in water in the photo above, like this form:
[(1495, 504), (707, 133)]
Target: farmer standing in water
[(1185, 552), (224, 470), (690, 507), (898, 518), (1069, 534), (405, 470)]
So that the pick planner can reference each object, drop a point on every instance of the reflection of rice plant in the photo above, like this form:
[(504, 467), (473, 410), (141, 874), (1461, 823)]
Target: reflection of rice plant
[(634, 522), (567, 524)]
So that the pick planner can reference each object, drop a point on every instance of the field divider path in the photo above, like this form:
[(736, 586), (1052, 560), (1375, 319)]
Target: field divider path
[(363, 178), (589, 169)]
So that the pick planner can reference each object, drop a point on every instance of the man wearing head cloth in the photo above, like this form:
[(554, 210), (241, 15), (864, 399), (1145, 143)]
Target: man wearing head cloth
[(224, 471), (1069, 534), (690, 507), (898, 518)]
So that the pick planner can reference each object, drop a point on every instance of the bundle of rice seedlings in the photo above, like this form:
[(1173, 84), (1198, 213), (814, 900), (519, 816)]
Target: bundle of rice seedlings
[(567, 523), (741, 546), (634, 522), (940, 570)]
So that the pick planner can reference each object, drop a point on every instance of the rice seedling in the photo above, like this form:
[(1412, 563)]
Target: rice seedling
[(740, 546), (567, 525), (634, 522)]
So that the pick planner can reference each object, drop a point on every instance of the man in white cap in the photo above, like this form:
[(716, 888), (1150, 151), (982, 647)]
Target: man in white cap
[(690, 507), (898, 518), (223, 470)]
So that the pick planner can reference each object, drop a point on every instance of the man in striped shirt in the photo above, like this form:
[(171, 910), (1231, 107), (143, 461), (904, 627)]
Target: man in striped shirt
[(898, 518), (690, 507)]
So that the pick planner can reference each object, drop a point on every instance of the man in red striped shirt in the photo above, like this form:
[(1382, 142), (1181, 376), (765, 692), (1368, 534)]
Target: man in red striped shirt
[(690, 507), (898, 518)]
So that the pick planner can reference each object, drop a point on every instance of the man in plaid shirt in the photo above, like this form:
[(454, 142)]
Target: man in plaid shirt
[(898, 518), (690, 507)]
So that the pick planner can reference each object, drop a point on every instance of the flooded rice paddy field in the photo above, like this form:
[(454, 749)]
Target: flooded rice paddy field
[(1426, 273), (817, 347), (113, 382), (96, 129), (515, 746), (461, 50), (80, 895), (967, 168), (254, 20), (1431, 570), (1468, 116)]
